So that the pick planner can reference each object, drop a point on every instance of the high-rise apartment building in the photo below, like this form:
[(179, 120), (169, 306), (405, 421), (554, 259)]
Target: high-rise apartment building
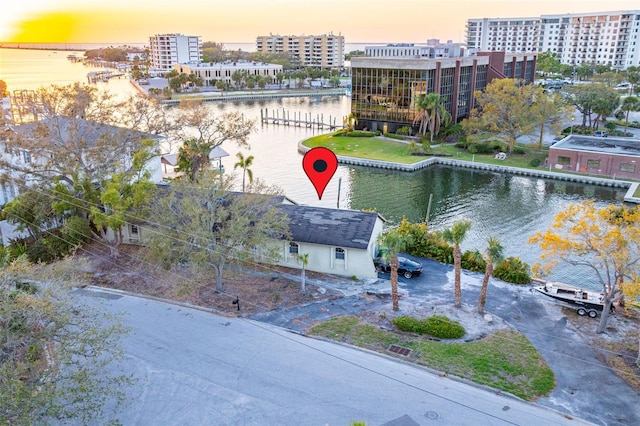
[(503, 34), (599, 38), (323, 51), (169, 49)]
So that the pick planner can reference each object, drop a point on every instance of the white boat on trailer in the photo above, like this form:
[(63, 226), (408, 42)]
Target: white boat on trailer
[(585, 302)]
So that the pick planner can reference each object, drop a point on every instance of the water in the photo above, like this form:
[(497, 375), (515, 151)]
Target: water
[(511, 208)]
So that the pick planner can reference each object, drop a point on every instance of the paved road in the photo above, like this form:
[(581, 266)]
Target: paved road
[(585, 388), (196, 368)]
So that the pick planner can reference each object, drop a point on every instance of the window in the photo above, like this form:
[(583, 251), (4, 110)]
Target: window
[(26, 155), (293, 248), (133, 229), (565, 161), (339, 253), (628, 167), (593, 164)]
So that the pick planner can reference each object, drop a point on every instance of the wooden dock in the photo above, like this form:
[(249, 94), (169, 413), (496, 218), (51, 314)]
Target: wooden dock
[(283, 117)]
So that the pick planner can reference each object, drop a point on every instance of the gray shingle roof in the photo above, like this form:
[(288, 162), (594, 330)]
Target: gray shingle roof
[(332, 227)]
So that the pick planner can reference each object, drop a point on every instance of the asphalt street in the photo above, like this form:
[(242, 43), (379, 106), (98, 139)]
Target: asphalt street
[(198, 368), (585, 388)]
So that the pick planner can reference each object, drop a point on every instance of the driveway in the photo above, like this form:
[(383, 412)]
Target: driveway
[(585, 388)]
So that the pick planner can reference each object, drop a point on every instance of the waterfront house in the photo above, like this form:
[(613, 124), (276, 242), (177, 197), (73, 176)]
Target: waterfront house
[(617, 158), (339, 242), (211, 72)]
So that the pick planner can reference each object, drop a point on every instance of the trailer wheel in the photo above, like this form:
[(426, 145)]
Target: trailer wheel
[(593, 313), (582, 311)]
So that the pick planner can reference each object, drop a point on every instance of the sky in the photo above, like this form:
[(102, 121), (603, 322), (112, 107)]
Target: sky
[(241, 21)]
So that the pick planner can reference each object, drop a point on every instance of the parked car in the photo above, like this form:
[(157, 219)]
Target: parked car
[(601, 134), (406, 267)]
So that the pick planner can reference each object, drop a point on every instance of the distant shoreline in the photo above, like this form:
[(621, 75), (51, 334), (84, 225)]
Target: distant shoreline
[(66, 47)]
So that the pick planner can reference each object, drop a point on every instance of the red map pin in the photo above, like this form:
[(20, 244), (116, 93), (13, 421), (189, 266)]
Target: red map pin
[(320, 164)]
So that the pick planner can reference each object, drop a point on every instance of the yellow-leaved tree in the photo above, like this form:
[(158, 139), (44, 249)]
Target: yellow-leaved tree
[(605, 240)]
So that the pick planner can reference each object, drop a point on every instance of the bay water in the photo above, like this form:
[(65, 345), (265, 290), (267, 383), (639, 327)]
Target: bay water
[(509, 207)]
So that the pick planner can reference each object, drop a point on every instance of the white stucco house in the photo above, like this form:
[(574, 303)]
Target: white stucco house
[(339, 242)]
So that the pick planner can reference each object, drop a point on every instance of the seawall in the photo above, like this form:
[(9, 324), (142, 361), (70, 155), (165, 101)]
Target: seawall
[(488, 167)]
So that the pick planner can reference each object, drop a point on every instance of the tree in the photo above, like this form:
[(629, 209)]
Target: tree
[(504, 108), (548, 62), (589, 98), (350, 122), (604, 241), (210, 132), (55, 353), (455, 235), (304, 259), (279, 79), (549, 111), (31, 211), (393, 242), (431, 113), (77, 138), (493, 254), (204, 225), (606, 103), (244, 164), (630, 103), (221, 85)]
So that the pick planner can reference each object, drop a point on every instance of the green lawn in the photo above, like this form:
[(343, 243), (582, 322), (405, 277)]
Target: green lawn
[(377, 148), (363, 147), (637, 193), (504, 360)]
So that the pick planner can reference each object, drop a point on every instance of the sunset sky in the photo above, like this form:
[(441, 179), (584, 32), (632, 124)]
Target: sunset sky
[(133, 21)]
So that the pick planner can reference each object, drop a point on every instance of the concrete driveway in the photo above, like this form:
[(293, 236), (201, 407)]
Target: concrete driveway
[(585, 388)]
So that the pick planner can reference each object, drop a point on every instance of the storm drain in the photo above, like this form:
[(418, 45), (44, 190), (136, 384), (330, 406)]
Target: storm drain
[(400, 350)]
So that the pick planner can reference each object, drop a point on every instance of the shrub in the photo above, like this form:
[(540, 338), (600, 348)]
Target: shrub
[(394, 136), (16, 249), (513, 270), (378, 132), (519, 150), (444, 328), (39, 252), (534, 162), (76, 230), (473, 261), (410, 324), (359, 134), (480, 148), (404, 130), (436, 326)]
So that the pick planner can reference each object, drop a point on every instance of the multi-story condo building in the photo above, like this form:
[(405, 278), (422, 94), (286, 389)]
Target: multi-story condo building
[(384, 90), (212, 72), (594, 38), (323, 51), (611, 38), (432, 49), (503, 34), (168, 49)]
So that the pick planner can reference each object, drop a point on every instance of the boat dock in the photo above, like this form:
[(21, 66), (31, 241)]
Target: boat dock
[(104, 75), (284, 118)]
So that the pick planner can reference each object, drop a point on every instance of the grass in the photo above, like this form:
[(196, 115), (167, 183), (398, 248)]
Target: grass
[(376, 148), (505, 360), (637, 193), (362, 147)]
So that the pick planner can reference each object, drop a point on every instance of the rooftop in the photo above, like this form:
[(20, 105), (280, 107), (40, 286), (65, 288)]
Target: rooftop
[(608, 145)]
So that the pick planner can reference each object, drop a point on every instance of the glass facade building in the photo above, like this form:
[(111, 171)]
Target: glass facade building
[(384, 91)]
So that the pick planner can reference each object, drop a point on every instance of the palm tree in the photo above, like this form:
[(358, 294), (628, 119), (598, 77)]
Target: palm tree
[(630, 103), (350, 122), (304, 259), (431, 113), (455, 235), (394, 242), (244, 163), (492, 255)]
